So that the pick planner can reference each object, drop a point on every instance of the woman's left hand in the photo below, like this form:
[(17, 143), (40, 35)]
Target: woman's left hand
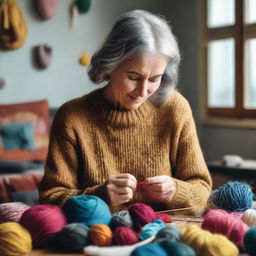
[(160, 188)]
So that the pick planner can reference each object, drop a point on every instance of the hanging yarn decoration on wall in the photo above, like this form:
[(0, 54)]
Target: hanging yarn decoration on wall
[(2, 83), (12, 211), (84, 59), (121, 218), (43, 222), (176, 248), (14, 239), (250, 241), (151, 229), (124, 236), (86, 209), (73, 237), (46, 8), (249, 217), (43, 56), (229, 225), (13, 26), (207, 244), (78, 6), (152, 249), (101, 235), (232, 196), (172, 233)]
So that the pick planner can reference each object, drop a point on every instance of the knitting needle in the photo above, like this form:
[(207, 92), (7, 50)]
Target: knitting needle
[(178, 209)]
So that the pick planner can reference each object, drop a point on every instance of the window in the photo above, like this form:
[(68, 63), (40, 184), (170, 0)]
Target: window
[(229, 58)]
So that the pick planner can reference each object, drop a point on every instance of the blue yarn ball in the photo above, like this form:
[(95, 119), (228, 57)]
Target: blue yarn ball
[(233, 196), (151, 229), (86, 209), (176, 248), (172, 233), (152, 249), (250, 241), (73, 237), (122, 218)]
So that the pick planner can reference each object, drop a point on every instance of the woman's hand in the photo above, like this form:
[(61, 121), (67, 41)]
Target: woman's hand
[(159, 188), (120, 188)]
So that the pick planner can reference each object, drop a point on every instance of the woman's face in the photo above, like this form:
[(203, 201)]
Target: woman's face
[(133, 81)]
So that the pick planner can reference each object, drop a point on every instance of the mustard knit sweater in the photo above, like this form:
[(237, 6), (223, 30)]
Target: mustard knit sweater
[(91, 140)]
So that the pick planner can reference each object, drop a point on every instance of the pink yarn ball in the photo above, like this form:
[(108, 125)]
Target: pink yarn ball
[(124, 236), (164, 217), (12, 211), (228, 224), (43, 222)]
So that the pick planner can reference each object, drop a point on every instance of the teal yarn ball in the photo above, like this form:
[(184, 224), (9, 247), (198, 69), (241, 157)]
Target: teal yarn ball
[(83, 5), (122, 218), (250, 241), (176, 248), (151, 229), (152, 249), (73, 237), (234, 196), (87, 209), (171, 233)]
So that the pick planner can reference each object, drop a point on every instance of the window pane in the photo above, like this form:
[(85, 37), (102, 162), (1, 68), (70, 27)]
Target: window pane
[(221, 73), (250, 11), (220, 13), (250, 74)]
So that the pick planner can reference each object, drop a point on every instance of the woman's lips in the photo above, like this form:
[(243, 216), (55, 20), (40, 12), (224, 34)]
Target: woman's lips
[(136, 99)]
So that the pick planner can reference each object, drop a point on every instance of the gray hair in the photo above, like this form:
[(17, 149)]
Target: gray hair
[(134, 33)]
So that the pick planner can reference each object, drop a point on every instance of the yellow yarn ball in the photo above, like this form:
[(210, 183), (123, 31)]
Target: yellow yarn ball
[(249, 217), (207, 244), (14, 239), (84, 59)]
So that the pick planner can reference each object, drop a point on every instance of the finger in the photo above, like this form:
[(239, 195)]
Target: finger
[(120, 190), (125, 176), (160, 187), (119, 199), (157, 179), (123, 182)]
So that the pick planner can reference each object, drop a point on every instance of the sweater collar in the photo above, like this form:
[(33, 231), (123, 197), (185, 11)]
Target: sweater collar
[(106, 111)]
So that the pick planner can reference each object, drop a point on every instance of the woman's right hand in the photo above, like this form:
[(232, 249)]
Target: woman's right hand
[(120, 188)]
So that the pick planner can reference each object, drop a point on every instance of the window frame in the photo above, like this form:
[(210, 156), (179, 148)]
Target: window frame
[(240, 32)]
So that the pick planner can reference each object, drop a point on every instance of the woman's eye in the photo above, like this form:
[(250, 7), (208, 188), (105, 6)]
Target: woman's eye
[(153, 80), (133, 78)]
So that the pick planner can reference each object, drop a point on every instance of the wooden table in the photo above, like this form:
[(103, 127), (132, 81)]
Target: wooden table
[(179, 221)]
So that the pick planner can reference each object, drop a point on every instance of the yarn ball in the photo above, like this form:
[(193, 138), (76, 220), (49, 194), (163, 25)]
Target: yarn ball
[(83, 5), (14, 239), (232, 196), (141, 214), (250, 241), (73, 237), (249, 217), (101, 235), (207, 244), (177, 248), (172, 233), (122, 218), (86, 209), (151, 229), (124, 236), (222, 222), (152, 249), (164, 217), (43, 222), (12, 211), (84, 59)]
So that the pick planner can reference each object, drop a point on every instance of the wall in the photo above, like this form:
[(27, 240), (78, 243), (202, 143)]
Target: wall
[(65, 78), (215, 140)]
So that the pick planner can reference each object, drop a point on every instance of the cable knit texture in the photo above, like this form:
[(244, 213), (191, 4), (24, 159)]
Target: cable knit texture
[(91, 140)]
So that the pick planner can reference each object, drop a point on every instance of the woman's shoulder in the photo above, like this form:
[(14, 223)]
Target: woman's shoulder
[(177, 102)]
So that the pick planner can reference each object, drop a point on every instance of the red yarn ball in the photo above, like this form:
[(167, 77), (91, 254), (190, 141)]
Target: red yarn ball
[(164, 217), (124, 236), (43, 222), (141, 215), (228, 224)]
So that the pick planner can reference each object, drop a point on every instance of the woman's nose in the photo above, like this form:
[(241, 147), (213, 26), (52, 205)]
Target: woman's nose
[(142, 89)]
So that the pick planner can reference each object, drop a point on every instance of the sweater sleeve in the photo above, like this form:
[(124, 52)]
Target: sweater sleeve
[(191, 175), (61, 178)]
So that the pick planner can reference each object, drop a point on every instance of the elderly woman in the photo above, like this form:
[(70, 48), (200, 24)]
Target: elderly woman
[(134, 140)]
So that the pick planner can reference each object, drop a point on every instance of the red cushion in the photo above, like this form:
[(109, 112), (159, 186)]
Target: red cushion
[(36, 112)]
